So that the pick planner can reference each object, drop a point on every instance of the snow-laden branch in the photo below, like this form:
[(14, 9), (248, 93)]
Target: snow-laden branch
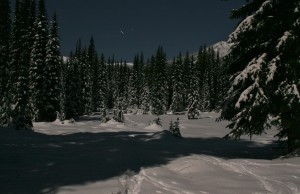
[(255, 92), (248, 22), (282, 41), (272, 68), (253, 68), (245, 25), (290, 93)]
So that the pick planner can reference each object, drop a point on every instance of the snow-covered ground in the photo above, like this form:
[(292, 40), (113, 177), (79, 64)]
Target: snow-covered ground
[(140, 157)]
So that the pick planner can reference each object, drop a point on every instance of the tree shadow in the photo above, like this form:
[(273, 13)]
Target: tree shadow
[(37, 163)]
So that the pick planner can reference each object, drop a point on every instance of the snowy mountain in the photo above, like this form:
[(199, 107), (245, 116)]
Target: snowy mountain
[(222, 47)]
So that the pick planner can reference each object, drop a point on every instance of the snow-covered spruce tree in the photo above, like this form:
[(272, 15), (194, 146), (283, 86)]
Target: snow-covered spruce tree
[(95, 74), (124, 85), (5, 30), (37, 64), (18, 99), (52, 82), (14, 63), (137, 80), (86, 71), (110, 82), (187, 65), (218, 82), (193, 93), (79, 77), (212, 72), (72, 88), (265, 65), (158, 87), (116, 85), (178, 85), (202, 69), (102, 82), (145, 99), (169, 80)]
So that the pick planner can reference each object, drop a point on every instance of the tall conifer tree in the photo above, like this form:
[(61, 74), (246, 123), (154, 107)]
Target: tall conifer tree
[(103, 90), (265, 65), (178, 85), (158, 87), (5, 30), (19, 107), (37, 66), (52, 73), (95, 75)]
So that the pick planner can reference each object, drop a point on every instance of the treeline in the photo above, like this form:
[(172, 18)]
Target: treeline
[(35, 84), (30, 64), (95, 84)]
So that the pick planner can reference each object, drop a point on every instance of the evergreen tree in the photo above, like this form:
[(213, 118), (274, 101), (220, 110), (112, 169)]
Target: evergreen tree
[(79, 67), (265, 65), (52, 83), (5, 30), (137, 80), (211, 72), (32, 18), (187, 66), (102, 100), (145, 99), (4, 44), (158, 87), (202, 63), (72, 88), (18, 99), (169, 74), (219, 82), (123, 86), (37, 65), (86, 92), (95, 75), (178, 86), (193, 94), (110, 82)]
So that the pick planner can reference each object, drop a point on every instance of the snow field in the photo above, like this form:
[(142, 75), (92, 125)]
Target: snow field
[(141, 157)]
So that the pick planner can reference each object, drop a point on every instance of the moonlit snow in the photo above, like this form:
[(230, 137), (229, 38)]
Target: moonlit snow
[(141, 157)]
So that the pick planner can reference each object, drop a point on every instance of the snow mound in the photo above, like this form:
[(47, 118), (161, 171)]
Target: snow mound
[(109, 123), (295, 153), (154, 127)]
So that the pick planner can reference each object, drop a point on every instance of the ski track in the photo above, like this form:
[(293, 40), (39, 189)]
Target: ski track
[(276, 187), (164, 186)]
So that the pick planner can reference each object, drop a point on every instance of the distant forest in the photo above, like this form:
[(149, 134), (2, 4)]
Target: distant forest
[(257, 85), (36, 83)]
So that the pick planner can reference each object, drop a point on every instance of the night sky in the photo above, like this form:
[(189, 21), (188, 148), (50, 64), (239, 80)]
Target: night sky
[(126, 27)]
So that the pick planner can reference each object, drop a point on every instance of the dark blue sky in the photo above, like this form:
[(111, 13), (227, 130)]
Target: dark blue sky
[(125, 27)]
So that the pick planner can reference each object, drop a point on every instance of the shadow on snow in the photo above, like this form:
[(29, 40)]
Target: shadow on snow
[(36, 163)]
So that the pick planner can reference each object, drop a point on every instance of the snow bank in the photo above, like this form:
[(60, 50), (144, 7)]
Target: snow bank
[(154, 127), (111, 122)]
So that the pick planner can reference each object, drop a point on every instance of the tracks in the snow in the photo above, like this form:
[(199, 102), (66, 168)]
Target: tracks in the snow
[(243, 167)]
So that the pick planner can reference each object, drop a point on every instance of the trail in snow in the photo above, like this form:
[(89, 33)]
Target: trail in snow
[(160, 184), (243, 167)]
